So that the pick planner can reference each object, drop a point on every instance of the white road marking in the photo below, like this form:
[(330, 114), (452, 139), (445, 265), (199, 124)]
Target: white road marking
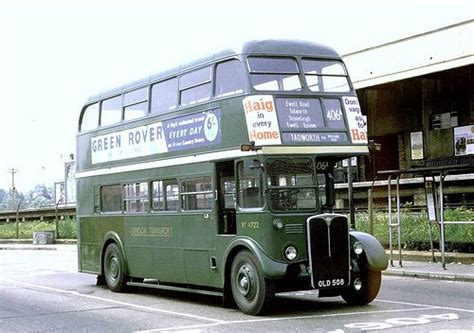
[(418, 307), (431, 306), (136, 306), (262, 320)]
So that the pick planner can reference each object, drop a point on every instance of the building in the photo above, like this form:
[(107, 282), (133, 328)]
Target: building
[(418, 95)]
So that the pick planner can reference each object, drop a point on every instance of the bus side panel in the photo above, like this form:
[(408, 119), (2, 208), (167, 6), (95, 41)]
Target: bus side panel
[(199, 229), (153, 246), (88, 247)]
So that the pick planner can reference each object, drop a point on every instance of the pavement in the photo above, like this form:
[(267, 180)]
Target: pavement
[(414, 264), (420, 264)]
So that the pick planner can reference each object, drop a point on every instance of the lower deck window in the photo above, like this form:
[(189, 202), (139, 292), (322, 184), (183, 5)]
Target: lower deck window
[(110, 198), (197, 194), (165, 195), (135, 197)]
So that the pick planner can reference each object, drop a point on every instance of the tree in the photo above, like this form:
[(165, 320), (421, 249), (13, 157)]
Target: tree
[(41, 196)]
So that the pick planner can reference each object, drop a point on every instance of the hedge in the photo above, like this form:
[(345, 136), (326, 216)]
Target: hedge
[(415, 232)]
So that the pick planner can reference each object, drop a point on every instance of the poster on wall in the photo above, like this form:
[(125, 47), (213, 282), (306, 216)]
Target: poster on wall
[(464, 140), (69, 182), (416, 145)]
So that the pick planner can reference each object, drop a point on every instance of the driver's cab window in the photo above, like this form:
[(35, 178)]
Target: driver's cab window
[(250, 184), (322, 189), (325, 181)]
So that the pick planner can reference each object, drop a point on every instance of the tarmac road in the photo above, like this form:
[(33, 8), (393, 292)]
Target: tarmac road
[(41, 291)]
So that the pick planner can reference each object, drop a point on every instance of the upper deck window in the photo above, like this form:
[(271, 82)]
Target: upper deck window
[(277, 74), (325, 75), (90, 117), (195, 87), (111, 111), (230, 78), (164, 96), (135, 104)]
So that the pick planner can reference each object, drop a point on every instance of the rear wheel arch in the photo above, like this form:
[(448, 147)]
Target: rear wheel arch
[(112, 237)]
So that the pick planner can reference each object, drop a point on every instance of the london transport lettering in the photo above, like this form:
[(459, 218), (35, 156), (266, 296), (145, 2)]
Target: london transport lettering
[(174, 134), (151, 231)]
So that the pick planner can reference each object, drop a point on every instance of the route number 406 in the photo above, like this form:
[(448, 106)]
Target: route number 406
[(406, 321)]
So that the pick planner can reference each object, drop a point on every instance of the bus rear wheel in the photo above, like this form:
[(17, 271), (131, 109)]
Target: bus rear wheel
[(252, 292), (114, 268), (369, 288)]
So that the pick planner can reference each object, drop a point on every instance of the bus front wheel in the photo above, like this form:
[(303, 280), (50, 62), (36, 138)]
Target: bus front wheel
[(251, 291), (114, 268)]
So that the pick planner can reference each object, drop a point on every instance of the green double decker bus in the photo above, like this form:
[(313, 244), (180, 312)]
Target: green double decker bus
[(217, 177)]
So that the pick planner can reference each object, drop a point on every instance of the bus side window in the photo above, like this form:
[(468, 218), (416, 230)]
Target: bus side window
[(195, 87), (164, 96), (165, 195), (90, 117), (250, 190), (135, 104), (135, 198), (230, 78), (197, 194), (111, 111), (111, 198)]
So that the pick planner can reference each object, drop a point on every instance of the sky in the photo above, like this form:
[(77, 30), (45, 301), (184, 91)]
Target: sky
[(55, 54)]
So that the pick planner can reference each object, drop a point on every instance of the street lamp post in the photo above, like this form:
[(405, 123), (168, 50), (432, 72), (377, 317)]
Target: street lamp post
[(17, 221), (13, 171)]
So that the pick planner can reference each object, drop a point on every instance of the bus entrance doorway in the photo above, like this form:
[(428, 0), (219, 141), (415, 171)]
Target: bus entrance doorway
[(225, 183)]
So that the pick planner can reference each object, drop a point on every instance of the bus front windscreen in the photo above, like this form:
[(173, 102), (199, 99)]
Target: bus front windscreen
[(292, 184)]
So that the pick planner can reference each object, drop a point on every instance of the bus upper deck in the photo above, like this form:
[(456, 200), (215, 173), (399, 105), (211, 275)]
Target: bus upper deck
[(282, 94)]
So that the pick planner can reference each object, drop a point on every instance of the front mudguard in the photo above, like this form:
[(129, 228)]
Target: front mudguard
[(377, 259), (271, 269)]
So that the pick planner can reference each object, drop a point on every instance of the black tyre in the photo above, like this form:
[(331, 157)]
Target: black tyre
[(251, 291), (114, 270), (371, 281)]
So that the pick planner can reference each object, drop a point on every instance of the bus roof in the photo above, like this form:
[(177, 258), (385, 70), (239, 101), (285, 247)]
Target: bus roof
[(257, 47)]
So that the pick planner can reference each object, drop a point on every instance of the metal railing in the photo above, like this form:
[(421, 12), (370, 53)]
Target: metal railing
[(433, 179)]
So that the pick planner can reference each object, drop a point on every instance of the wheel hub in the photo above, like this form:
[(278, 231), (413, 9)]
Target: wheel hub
[(114, 268), (245, 281)]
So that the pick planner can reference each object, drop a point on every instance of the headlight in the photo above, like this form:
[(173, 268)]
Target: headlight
[(357, 248), (291, 253)]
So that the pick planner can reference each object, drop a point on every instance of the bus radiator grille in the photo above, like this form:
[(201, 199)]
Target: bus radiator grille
[(328, 247)]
